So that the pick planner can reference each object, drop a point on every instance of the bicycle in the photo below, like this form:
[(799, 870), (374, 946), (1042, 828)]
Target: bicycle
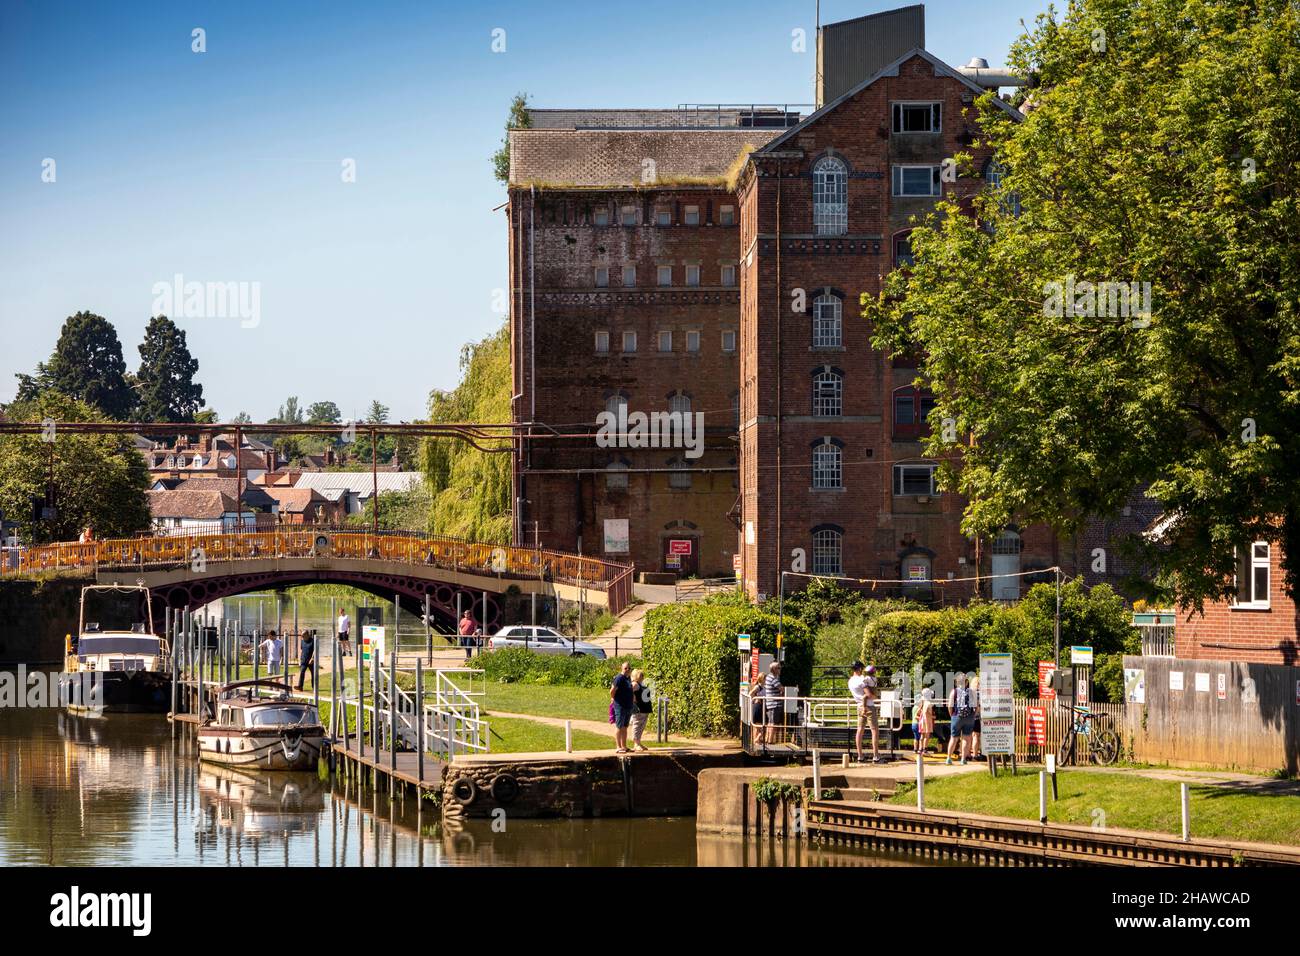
[(1103, 742)]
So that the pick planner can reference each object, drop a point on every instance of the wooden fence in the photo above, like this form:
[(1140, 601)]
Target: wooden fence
[(1058, 719)]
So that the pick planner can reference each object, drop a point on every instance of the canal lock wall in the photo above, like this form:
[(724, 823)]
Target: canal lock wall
[(36, 616)]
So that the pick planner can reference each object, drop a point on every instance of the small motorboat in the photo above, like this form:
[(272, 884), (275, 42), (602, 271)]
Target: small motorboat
[(117, 670), (259, 725)]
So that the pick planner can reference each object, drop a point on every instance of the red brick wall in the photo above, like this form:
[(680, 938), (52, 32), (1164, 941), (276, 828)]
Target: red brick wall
[(1230, 633)]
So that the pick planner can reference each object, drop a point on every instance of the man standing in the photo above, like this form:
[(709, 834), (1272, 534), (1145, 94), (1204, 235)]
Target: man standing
[(344, 627), (963, 705), (307, 652), (863, 687), (467, 633), (773, 701), (622, 696), (273, 647)]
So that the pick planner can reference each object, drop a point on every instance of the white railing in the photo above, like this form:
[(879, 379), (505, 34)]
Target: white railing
[(806, 723), (453, 721)]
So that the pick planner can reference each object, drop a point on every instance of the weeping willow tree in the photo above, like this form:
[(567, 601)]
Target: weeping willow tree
[(470, 489)]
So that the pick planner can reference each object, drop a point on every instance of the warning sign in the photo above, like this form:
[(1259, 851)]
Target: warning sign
[(1045, 669), (679, 546), (1036, 726)]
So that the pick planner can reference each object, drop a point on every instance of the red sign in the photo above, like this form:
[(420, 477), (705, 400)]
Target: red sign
[(679, 546), (1036, 726), (735, 562), (753, 665), (1082, 686), (1045, 668)]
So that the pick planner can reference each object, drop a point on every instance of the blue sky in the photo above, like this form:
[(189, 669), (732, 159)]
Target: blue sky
[(226, 166)]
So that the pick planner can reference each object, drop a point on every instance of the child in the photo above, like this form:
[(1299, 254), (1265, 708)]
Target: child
[(923, 725)]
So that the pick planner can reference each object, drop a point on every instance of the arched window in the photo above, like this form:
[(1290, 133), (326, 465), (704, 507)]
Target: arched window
[(679, 402), (827, 551), (903, 249), (828, 394), (615, 402), (680, 476), (1005, 566), (827, 330), (830, 197), (827, 464), (912, 407)]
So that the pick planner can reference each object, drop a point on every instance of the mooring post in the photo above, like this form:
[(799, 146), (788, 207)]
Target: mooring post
[(361, 710), (1187, 811), (817, 773), (419, 726), (920, 782), (392, 714), (315, 672), (428, 628), (171, 646), (484, 627), (376, 665), (568, 736), (257, 655), (1042, 796), (297, 639)]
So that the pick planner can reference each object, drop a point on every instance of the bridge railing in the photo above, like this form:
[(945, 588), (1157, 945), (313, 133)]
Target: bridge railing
[(172, 550)]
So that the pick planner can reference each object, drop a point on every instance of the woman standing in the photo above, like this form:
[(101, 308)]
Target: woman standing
[(642, 707)]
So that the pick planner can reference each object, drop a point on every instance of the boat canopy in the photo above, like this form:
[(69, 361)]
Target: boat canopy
[(118, 644)]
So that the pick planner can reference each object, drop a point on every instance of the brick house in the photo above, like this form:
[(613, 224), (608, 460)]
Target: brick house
[(1260, 626)]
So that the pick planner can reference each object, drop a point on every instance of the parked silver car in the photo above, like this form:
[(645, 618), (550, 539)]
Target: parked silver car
[(543, 640)]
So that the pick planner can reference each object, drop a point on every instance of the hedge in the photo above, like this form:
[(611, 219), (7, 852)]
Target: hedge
[(952, 639), (691, 656), (518, 665)]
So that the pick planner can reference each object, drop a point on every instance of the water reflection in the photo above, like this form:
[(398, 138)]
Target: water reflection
[(125, 791)]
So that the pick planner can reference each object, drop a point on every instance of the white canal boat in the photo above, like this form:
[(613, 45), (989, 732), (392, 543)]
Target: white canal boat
[(260, 726)]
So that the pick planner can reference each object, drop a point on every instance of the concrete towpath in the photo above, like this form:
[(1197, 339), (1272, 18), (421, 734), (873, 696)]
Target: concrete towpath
[(604, 727)]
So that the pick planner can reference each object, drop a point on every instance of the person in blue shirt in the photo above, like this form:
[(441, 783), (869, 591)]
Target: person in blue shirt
[(621, 695)]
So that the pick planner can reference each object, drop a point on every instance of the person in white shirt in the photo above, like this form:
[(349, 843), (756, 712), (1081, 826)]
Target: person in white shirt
[(273, 647), (343, 629), (862, 685)]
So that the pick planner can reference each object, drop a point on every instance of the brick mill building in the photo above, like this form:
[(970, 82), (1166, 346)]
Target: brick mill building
[(712, 260)]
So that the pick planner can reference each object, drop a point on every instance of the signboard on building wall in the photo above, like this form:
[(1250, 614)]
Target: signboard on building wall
[(616, 536), (1045, 669), (1036, 726), (753, 666), (679, 546), (672, 562), (735, 563), (997, 706)]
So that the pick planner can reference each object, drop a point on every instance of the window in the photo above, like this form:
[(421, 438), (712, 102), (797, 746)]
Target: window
[(726, 215), (827, 551), (629, 215), (692, 341), (728, 277), (666, 341), (679, 477), (1253, 576), (602, 341), (916, 478), (600, 216), (663, 216), (916, 181), (912, 407), (827, 465), (665, 275), (828, 394), (903, 249), (616, 476), (616, 405), (918, 117), (629, 276), (693, 275), (1008, 202), (629, 341), (728, 340), (827, 311), (735, 410), (830, 197), (680, 403), (602, 276), (692, 215)]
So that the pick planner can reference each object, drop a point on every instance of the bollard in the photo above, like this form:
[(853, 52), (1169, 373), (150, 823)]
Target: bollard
[(920, 782), (844, 761), (1042, 796), (1187, 810), (817, 773), (568, 736)]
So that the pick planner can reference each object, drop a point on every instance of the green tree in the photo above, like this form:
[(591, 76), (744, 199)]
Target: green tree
[(377, 414), (87, 365), (243, 418), (324, 413), (519, 118), (99, 480), (1160, 148), (290, 412), (166, 390), (471, 488)]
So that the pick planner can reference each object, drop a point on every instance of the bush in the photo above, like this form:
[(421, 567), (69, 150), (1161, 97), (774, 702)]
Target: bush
[(838, 644), (952, 639), (691, 655), (518, 665)]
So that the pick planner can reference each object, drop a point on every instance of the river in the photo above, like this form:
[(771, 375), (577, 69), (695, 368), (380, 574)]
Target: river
[(122, 791)]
